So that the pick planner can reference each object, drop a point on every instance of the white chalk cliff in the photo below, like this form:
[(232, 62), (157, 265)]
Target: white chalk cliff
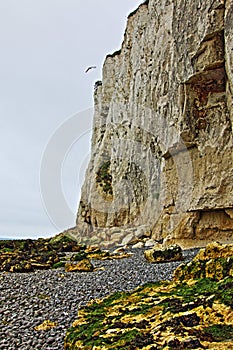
[(162, 157)]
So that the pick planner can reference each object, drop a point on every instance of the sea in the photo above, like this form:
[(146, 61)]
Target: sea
[(6, 239)]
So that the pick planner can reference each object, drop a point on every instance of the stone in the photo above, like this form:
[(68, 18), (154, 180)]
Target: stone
[(28, 255), (128, 239), (215, 262), (46, 326), (84, 265), (191, 344), (119, 250), (162, 129), (215, 250), (138, 245), (171, 253), (150, 243), (116, 237), (142, 232)]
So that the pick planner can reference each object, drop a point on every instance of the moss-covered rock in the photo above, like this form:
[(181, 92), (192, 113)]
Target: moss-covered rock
[(215, 262), (165, 254), (84, 265), (28, 255), (193, 311)]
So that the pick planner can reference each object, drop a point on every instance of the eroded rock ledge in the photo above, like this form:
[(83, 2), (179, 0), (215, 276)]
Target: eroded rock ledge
[(162, 132)]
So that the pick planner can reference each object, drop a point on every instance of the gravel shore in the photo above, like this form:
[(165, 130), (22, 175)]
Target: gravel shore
[(27, 299)]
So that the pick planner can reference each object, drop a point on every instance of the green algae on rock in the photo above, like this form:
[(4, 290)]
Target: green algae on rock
[(27, 255), (30, 255), (84, 265), (164, 254), (214, 262), (192, 312)]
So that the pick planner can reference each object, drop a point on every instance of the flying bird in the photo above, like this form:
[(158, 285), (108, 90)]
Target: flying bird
[(89, 68)]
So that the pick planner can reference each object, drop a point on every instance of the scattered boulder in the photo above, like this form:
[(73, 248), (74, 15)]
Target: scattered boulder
[(128, 239), (84, 265), (150, 243), (171, 253), (138, 245), (79, 256), (189, 312), (119, 250), (215, 262), (28, 255)]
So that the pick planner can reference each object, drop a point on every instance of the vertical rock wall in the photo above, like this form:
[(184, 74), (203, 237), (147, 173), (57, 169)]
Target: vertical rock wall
[(162, 158)]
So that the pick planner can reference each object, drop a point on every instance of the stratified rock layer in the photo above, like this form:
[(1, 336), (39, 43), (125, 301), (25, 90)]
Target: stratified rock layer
[(162, 132)]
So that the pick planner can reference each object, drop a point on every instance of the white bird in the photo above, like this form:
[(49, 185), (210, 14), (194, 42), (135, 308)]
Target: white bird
[(89, 68)]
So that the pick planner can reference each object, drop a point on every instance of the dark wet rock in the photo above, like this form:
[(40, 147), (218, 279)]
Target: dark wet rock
[(164, 254), (191, 344), (28, 255)]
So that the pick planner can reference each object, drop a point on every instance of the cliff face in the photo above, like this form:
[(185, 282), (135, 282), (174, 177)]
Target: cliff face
[(162, 159)]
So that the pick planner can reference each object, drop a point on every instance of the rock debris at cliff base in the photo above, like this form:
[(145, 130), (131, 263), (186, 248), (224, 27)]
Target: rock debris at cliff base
[(29, 299), (193, 311)]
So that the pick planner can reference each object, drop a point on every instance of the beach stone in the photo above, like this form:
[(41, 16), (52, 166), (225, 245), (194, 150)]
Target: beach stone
[(172, 253), (150, 243), (128, 239), (84, 265), (138, 245), (46, 325)]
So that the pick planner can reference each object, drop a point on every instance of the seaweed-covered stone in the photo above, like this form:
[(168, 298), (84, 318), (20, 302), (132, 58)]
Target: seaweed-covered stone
[(84, 265), (79, 256), (181, 314), (27, 255), (165, 254), (215, 262)]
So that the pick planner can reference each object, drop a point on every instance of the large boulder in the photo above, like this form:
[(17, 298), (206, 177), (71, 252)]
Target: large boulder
[(215, 262), (165, 254)]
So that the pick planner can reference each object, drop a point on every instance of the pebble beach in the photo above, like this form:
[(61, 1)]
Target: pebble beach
[(28, 299)]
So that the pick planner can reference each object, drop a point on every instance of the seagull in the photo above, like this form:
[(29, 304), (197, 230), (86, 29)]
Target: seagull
[(89, 68)]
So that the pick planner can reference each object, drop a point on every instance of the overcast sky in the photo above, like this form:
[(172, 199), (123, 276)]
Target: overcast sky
[(46, 45)]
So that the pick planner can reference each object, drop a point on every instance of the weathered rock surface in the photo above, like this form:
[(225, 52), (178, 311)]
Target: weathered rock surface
[(215, 262), (194, 311), (84, 265), (165, 254), (28, 255), (162, 132), (60, 251)]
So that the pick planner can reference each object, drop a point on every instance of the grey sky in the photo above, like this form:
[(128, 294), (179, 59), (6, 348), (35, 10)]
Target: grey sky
[(46, 45)]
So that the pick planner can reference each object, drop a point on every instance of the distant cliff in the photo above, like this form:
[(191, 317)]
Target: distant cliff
[(162, 158)]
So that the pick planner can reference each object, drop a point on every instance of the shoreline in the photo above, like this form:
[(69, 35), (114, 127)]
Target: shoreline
[(28, 299)]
